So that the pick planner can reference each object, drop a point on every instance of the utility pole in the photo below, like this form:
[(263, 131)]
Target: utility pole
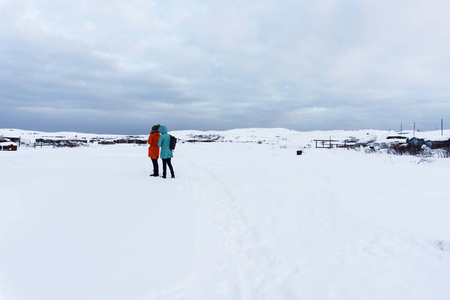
[(414, 131), (442, 126)]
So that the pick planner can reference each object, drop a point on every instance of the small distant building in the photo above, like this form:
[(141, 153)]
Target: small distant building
[(137, 141), (396, 140), (121, 141), (438, 144), (58, 142), (13, 139), (7, 145)]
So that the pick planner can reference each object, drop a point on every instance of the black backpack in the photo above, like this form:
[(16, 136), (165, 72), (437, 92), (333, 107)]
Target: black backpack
[(173, 142)]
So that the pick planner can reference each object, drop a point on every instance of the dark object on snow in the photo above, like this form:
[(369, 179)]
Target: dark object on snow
[(416, 142), (299, 152), (10, 147), (438, 144)]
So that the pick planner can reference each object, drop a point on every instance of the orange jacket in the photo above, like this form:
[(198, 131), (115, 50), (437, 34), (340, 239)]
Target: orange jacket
[(153, 150)]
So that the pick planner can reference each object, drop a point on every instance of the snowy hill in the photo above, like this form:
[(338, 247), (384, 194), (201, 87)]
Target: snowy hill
[(246, 135), (241, 220)]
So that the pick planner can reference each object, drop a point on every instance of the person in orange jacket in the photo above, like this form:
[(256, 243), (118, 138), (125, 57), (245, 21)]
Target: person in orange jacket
[(153, 149)]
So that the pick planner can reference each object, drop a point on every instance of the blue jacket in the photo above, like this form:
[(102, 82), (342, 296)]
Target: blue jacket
[(164, 143)]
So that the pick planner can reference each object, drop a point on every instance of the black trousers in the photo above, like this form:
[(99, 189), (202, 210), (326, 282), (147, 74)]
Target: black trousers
[(167, 162), (155, 166)]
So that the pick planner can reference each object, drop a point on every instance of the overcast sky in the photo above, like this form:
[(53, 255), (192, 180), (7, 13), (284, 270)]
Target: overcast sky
[(111, 66)]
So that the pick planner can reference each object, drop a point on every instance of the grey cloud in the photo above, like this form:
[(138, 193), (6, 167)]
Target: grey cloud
[(218, 65)]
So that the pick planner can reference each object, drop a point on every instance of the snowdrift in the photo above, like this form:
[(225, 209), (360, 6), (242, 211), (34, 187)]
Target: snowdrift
[(242, 220)]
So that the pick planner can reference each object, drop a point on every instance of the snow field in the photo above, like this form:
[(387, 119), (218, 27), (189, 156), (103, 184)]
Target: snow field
[(240, 221)]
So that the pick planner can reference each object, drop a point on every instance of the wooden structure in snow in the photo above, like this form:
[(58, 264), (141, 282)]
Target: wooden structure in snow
[(327, 143), (4, 146), (7, 144)]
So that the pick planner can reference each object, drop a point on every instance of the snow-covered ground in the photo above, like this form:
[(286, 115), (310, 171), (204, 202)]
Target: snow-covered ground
[(241, 220)]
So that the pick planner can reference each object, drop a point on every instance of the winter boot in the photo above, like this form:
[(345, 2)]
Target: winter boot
[(154, 175), (173, 175), (164, 175)]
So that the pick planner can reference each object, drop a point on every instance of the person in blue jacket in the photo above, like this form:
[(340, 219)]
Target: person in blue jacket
[(166, 154)]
